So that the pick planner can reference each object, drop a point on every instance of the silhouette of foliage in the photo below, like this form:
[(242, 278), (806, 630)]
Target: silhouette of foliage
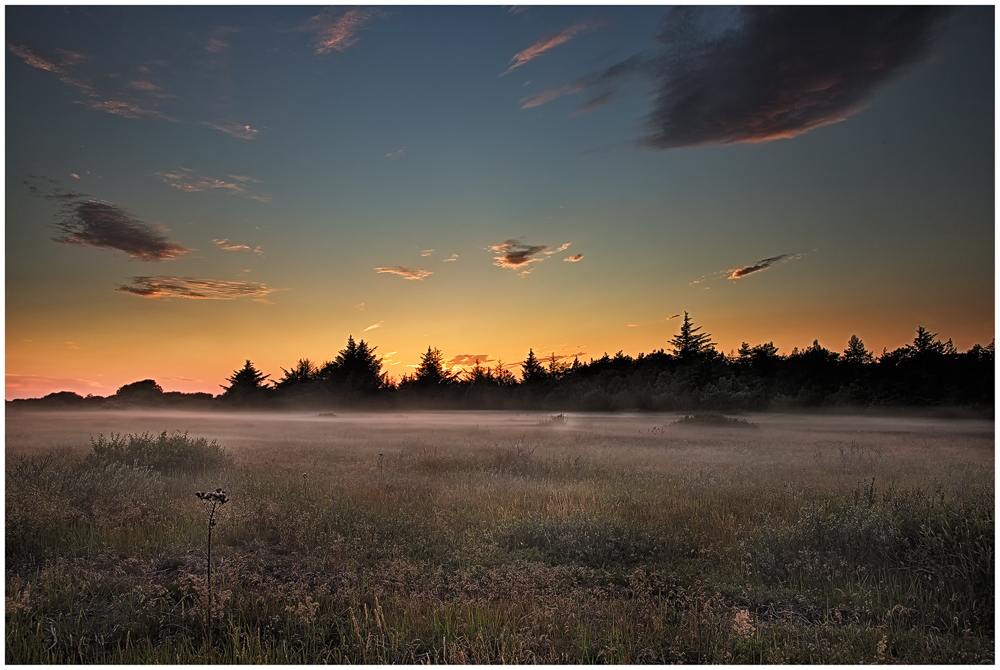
[(690, 343)]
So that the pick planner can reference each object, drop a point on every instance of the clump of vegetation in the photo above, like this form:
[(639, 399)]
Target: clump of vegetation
[(554, 420), (715, 419), (166, 453)]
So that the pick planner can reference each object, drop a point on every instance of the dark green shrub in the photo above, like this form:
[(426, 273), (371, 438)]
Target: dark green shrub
[(167, 454)]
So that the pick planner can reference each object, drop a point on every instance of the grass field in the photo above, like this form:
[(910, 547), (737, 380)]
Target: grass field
[(498, 537)]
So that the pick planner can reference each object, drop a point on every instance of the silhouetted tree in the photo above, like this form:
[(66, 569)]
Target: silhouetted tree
[(532, 371), (927, 342), (855, 353), (145, 390), (247, 383), (431, 372), (302, 374), (690, 343), (356, 369)]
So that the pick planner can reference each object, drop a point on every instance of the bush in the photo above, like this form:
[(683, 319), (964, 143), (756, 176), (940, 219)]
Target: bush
[(715, 419), (167, 454)]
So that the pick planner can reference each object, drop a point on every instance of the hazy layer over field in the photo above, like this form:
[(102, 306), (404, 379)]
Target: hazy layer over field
[(786, 444)]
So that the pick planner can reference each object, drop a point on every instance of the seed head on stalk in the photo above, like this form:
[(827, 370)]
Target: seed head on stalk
[(216, 497)]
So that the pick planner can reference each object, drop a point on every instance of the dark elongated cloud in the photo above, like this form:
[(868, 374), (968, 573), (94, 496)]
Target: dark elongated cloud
[(756, 73), (600, 87), (101, 224), (756, 267), (194, 288)]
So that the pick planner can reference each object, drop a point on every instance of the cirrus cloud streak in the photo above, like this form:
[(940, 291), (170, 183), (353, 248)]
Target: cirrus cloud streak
[(194, 288)]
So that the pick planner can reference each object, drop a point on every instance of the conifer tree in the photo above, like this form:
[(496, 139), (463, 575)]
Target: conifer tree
[(532, 371), (690, 343)]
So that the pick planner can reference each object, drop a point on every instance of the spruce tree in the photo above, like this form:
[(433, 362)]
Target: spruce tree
[(690, 344)]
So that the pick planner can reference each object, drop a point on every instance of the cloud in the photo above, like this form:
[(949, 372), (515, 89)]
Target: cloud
[(189, 181), (562, 247), (236, 130), (550, 42), (600, 86), (74, 175), (124, 108), (756, 73), (756, 267), (373, 326), (194, 288), (226, 246), (102, 224), (454, 257), (396, 153), (71, 345), (60, 65), (218, 41), (336, 29), (574, 258), (469, 359), (675, 316), (426, 252), (407, 273), (36, 386), (514, 255)]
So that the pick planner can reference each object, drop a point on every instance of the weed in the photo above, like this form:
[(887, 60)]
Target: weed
[(714, 419)]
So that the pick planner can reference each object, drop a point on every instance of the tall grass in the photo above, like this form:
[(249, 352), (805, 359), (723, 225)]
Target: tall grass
[(518, 546)]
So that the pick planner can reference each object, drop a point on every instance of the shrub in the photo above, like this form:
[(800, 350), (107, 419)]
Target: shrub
[(167, 454), (715, 419)]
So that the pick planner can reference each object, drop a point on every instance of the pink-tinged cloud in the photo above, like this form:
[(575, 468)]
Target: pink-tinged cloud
[(454, 257), (195, 288), (551, 94), (336, 29), (243, 132), (426, 252), (218, 41), (60, 66), (756, 267), (573, 259), (124, 108), (550, 42), (406, 273), (74, 175), (515, 255), (675, 316), (225, 245), (189, 181), (373, 326), (562, 247), (469, 359), (104, 225)]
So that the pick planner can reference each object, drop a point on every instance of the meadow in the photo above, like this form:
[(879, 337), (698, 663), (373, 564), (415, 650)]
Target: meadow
[(486, 537)]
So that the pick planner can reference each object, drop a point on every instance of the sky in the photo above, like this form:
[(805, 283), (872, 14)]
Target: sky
[(190, 187)]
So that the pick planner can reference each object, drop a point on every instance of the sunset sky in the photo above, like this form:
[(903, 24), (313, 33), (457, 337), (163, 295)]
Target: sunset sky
[(191, 187)]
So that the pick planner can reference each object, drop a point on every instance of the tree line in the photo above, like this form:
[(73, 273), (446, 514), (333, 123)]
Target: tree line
[(693, 375)]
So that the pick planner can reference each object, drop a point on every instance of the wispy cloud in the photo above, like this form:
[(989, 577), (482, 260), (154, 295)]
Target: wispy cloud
[(60, 65), (562, 247), (189, 181), (373, 326), (226, 245), (71, 345), (756, 73), (336, 28), (601, 86), (674, 316), (550, 42), (426, 252), (454, 257), (218, 41), (194, 288), (574, 258), (469, 359), (104, 225), (396, 153), (36, 386), (406, 273), (244, 132)]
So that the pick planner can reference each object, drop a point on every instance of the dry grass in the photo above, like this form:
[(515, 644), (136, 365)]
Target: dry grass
[(492, 537)]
